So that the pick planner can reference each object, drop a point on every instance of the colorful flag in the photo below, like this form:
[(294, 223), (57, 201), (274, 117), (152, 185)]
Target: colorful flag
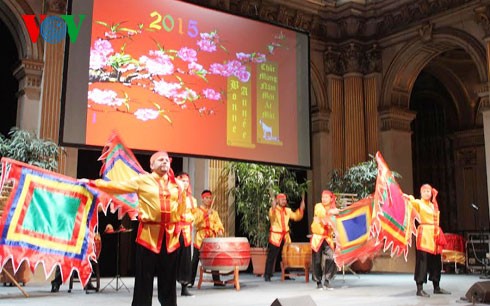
[(48, 218), (395, 219), (120, 164), (354, 238)]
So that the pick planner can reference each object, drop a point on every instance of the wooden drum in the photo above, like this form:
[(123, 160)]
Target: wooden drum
[(454, 250), (224, 254), (296, 255)]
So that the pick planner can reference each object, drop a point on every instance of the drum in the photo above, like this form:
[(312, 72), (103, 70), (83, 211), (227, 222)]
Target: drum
[(224, 254), (296, 255), (454, 250)]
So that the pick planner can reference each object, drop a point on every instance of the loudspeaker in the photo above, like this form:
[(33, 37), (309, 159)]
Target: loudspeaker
[(304, 300), (479, 292)]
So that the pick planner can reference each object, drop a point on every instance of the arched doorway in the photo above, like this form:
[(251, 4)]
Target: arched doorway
[(437, 80)]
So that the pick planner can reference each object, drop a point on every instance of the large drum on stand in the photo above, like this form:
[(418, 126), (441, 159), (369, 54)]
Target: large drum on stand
[(224, 256), (296, 255), (454, 250)]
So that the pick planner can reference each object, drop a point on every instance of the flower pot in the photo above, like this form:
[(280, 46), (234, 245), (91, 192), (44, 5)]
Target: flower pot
[(259, 257)]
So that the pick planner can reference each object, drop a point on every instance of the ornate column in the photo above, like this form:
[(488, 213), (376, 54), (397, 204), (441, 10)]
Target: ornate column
[(372, 87), (485, 109), (218, 184), (482, 17), (396, 143), (469, 159), (29, 74), (51, 94), (335, 98), (354, 120)]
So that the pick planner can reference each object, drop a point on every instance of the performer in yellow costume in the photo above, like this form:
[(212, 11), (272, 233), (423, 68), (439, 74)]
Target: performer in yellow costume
[(322, 241), (184, 230), (161, 205), (208, 225), (430, 241), (279, 216)]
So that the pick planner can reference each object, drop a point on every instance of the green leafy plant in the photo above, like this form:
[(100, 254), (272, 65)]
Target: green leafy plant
[(254, 185), (26, 147), (359, 179)]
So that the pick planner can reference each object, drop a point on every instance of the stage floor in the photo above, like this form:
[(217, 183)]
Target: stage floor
[(364, 289)]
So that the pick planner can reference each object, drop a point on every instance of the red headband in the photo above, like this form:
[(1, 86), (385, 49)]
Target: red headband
[(206, 194), (158, 154), (324, 192), (281, 196)]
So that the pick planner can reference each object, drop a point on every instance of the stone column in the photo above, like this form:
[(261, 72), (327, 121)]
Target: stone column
[(321, 158), (29, 74), (372, 88), (334, 103), (51, 94), (482, 17), (396, 143), (485, 109), (355, 132)]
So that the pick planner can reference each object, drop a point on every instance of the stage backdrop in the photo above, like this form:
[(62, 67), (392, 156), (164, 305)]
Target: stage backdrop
[(193, 81)]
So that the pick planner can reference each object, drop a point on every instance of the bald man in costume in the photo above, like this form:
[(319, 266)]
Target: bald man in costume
[(161, 205), (322, 241), (430, 241), (279, 216)]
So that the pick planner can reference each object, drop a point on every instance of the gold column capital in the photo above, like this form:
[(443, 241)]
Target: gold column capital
[(395, 118), (29, 74), (319, 122)]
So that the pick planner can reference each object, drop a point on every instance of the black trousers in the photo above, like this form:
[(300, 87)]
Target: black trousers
[(195, 263), (273, 252), (323, 263), (149, 264), (427, 263), (184, 265)]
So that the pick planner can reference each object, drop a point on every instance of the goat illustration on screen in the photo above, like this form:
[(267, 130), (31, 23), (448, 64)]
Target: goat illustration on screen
[(266, 130)]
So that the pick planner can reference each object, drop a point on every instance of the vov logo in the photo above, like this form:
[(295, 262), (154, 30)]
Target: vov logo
[(53, 28)]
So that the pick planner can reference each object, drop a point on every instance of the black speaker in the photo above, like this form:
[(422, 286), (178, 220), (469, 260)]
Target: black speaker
[(479, 292), (304, 300)]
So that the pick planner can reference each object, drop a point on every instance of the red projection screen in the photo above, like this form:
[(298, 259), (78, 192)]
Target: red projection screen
[(170, 75)]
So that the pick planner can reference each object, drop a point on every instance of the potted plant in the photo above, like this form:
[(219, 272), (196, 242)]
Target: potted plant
[(26, 147), (254, 186)]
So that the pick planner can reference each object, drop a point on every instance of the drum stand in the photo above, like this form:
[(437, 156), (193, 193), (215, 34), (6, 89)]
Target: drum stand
[(235, 280)]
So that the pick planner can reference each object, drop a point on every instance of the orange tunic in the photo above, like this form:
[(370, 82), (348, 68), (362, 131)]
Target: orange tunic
[(320, 231), (207, 225), (160, 207), (184, 226), (428, 232), (279, 218)]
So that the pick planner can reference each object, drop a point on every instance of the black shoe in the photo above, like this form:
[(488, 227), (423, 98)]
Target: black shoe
[(441, 291), (55, 287), (185, 291), (267, 278), (288, 278), (319, 285), (90, 287), (422, 293)]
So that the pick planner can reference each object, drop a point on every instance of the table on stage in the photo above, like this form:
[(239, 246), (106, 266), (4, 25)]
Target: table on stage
[(119, 282)]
